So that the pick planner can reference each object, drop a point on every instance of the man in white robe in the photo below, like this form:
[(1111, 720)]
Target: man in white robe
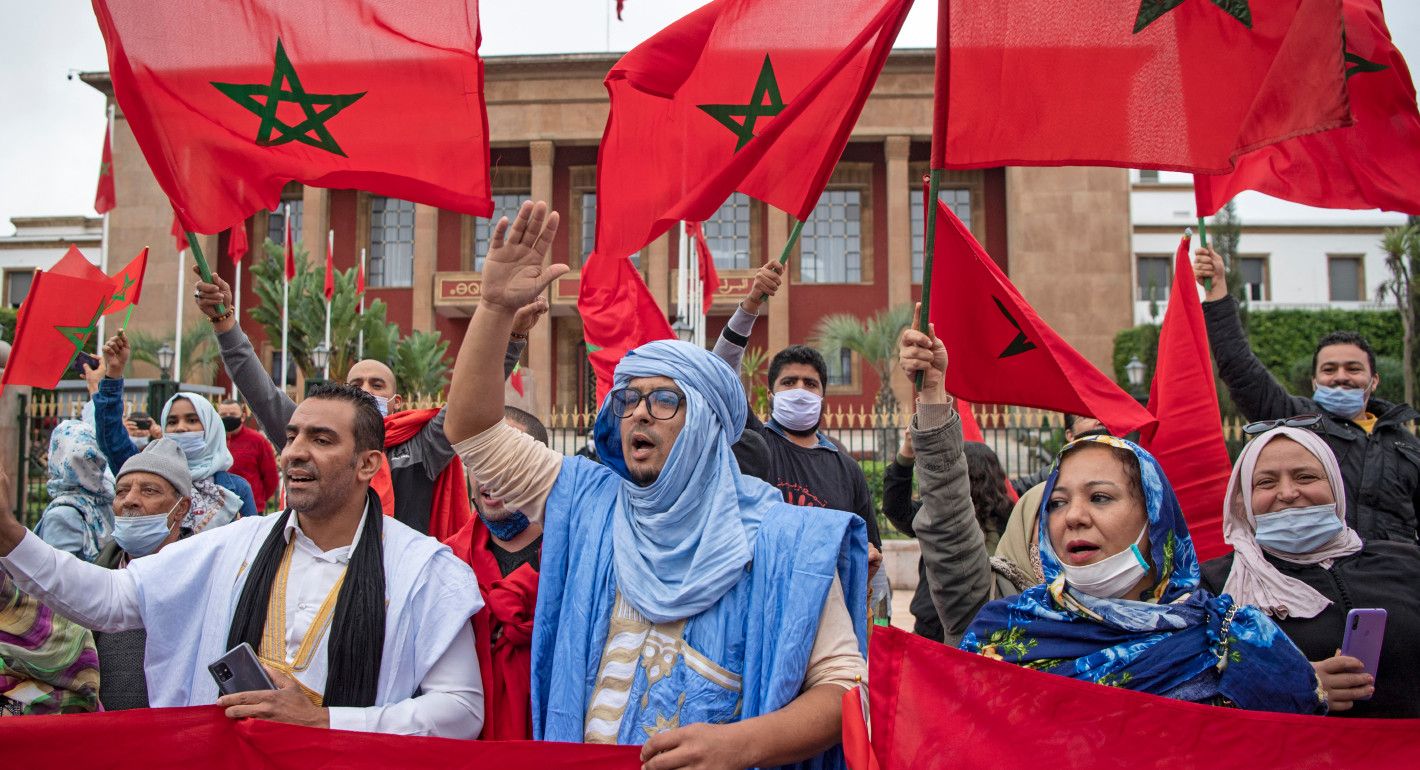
[(369, 624)]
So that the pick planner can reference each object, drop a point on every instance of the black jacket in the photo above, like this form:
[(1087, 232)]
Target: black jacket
[(1383, 575), (1381, 469), (900, 509)]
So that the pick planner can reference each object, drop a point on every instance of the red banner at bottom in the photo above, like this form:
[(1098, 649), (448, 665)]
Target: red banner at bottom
[(153, 739), (934, 706)]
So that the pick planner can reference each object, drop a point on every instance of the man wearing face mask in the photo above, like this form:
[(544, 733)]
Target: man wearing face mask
[(252, 456), (503, 547), (418, 484), (1378, 455), (152, 494)]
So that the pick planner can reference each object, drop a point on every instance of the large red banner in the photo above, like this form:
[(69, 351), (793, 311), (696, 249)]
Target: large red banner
[(934, 706), (202, 737)]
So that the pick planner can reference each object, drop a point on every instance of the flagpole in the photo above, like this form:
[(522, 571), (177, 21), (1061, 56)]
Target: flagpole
[(788, 249), (177, 327), (103, 252), (285, 309), (934, 188), (360, 339), (237, 300), (330, 246)]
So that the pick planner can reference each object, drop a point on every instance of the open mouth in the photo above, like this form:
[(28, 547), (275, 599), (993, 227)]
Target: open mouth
[(299, 478), (1080, 551), (641, 447)]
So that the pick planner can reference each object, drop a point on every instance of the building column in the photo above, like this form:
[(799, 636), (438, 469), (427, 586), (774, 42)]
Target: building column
[(658, 271), (540, 349), (315, 221), (776, 230), (426, 254), (899, 242)]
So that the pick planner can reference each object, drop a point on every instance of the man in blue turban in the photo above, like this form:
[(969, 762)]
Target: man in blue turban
[(682, 605)]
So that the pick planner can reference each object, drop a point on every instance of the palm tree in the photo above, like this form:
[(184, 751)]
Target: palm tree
[(874, 340), (752, 377), (1402, 256), (420, 365), (199, 351)]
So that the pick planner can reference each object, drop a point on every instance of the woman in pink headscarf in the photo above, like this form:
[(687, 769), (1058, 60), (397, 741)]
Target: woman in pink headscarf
[(1296, 560)]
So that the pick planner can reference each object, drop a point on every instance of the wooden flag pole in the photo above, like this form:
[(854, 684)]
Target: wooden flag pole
[(788, 248), (934, 188)]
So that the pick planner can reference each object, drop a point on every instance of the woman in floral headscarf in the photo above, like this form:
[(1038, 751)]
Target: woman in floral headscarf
[(48, 664), (1121, 603), (79, 518)]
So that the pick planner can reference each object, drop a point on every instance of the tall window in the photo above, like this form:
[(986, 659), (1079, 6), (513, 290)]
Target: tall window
[(1254, 276), (17, 286), (589, 227), (391, 242), (1348, 282), (504, 205), (276, 221), (958, 199), (727, 232), (1155, 279), (840, 367), (832, 241)]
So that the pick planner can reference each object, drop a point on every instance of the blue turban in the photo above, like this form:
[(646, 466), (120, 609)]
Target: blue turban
[(684, 540)]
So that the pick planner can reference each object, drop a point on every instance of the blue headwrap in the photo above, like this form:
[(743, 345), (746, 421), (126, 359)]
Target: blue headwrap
[(684, 540), (1171, 645), (79, 478)]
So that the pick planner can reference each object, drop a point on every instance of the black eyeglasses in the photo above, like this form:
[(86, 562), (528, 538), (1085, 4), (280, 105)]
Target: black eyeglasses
[(1300, 421), (662, 403)]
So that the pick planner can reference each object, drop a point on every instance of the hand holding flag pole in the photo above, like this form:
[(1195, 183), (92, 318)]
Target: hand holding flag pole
[(934, 187), (788, 249), (202, 267)]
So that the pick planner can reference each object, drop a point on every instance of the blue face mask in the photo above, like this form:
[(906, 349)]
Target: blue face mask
[(139, 441), (1342, 402), (141, 535), (1298, 531), (508, 528), (192, 443)]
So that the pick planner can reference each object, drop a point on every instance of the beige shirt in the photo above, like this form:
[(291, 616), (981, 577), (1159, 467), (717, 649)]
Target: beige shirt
[(521, 470)]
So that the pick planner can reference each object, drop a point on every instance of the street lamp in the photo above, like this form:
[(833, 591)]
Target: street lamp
[(1135, 371), (683, 331), (163, 388), (320, 358)]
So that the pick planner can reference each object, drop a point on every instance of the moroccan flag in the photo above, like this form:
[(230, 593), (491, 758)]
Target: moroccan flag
[(1373, 164), (104, 197), (709, 276), (970, 430), (857, 750), (76, 265), (179, 234), (1001, 352), (289, 248), (58, 319), (1188, 440), (516, 379), (329, 288), (1187, 85), (755, 96), (620, 4), (229, 101), (128, 283), (992, 714), (237, 243), (360, 280)]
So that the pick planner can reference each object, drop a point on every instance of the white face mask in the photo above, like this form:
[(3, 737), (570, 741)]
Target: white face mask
[(192, 443), (797, 409), (383, 404), (1112, 577)]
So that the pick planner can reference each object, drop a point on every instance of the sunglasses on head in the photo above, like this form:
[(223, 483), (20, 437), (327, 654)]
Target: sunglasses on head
[(662, 403), (1299, 421)]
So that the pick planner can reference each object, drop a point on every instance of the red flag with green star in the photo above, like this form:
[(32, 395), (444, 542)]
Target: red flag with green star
[(128, 283), (754, 96), (1187, 85), (229, 101), (105, 198), (57, 320), (179, 234), (1374, 164)]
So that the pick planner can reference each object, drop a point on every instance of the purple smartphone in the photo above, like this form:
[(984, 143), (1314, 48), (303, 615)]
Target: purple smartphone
[(1365, 630)]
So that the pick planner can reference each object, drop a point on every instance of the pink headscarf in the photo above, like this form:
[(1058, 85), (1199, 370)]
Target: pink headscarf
[(1255, 581)]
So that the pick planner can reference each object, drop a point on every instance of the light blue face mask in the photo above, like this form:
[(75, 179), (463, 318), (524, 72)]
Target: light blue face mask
[(139, 441), (1298, 531), (192, 443), (1342, 402), (141, 535), (383, 404)]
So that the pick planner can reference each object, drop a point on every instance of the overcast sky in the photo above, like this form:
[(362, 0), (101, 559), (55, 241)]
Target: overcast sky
[(52, 130)]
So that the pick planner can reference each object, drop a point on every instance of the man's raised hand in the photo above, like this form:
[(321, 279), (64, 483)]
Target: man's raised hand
[(513, 272), (1208, 264)]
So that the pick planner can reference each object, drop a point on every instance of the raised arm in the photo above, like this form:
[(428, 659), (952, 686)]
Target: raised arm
[(108, 406), (270, 405), (513, 276), (735, 336), (953, 549), (1256, 392)]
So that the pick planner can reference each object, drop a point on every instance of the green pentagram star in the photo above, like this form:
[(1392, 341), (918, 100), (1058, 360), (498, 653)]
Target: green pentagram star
[(79, 336), (105, 168), (1356, 65), (1151, 10), (262, 101), (764, 103)]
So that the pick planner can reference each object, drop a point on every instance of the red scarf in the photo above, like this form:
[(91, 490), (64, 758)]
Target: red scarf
[(502, 631), (450, 509)]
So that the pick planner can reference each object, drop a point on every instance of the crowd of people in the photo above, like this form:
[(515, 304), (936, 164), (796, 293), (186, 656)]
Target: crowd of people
[(701, 586)]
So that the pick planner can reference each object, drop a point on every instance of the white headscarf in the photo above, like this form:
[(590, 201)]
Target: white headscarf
[(1255, 581)]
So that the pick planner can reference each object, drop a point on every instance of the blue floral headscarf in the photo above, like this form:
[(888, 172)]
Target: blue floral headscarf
[(1182, 643), (79, 478)]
